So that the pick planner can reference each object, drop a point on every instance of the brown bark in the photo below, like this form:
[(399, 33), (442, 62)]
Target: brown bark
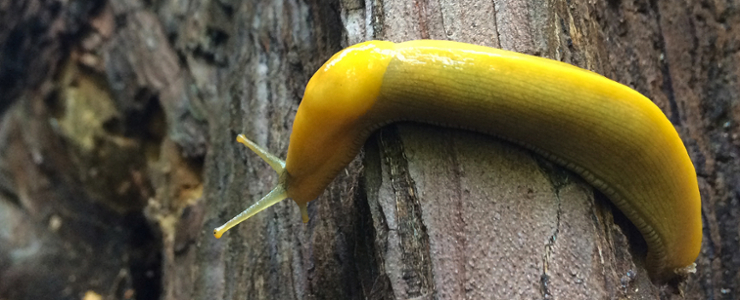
[(117, 154)]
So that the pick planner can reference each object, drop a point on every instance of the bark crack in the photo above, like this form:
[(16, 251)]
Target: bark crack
[(495, 24), (675, 114), (550, 246), (414, 241)]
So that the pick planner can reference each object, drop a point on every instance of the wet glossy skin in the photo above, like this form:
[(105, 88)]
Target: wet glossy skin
[(614, 137)]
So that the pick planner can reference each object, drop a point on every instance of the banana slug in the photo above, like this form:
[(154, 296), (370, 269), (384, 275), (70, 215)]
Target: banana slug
[(612, 136)]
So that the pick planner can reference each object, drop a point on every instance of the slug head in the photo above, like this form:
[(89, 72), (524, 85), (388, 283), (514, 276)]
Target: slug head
[(328, 127)]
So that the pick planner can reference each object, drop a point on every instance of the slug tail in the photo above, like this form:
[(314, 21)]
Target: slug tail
[(276, 163), (276, 195)]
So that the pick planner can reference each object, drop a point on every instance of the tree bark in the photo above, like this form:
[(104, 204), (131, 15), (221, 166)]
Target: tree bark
[(118, 154)]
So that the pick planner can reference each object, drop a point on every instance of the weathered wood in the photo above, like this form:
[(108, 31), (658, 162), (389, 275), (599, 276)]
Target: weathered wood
[(118, 157), (472, 218)]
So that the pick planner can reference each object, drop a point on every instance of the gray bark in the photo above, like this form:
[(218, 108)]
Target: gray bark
[(117, 154)]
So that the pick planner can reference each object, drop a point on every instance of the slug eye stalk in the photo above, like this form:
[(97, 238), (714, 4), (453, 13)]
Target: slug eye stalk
[(276, 163), (279, 193)]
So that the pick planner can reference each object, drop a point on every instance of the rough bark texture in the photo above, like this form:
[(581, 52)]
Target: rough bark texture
[(117, 154)]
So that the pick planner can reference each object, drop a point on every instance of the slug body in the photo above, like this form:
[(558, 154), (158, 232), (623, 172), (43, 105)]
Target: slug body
[(611, 135)]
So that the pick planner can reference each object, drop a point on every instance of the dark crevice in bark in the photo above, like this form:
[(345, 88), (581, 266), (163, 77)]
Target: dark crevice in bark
[(411, 230), (550, 251), (675, 115), (368, 255), (558, 178), (145, 262)]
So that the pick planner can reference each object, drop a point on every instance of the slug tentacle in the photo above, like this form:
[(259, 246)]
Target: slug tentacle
[(276, 163), (276, 195), (279, 193), (614, 137)]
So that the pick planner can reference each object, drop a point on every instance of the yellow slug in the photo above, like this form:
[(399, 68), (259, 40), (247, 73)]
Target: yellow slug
[(611, 135)]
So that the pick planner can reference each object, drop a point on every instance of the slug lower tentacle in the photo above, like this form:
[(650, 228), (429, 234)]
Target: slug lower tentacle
[(615, 138)]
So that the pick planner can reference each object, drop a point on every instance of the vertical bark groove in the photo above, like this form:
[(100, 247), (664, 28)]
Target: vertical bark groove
[(117, 154)]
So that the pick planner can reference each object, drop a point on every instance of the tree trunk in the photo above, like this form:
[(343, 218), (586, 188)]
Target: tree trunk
[(118, 154)]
